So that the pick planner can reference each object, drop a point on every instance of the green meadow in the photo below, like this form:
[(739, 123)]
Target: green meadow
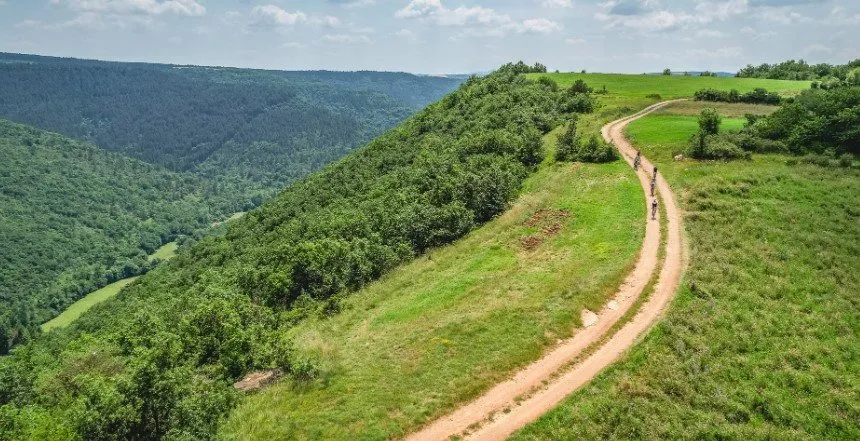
[(84, 304), (762, 340), (442, 329), (438, 332)]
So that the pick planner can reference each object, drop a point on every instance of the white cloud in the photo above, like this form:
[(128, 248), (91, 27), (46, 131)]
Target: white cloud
[(557, 3), (274, 15), (574, 41), (817, 48), (405, 33), (538, 26), (723, 52), (346, 39), (477, 20), (150, 7), (710, 33)]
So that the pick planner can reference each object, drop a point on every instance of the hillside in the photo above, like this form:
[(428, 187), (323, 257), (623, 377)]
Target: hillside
[(408, 278), (74, 218), (762, 339), (158, 359), (265, 127)]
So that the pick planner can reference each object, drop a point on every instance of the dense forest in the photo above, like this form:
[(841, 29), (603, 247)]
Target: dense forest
[(267, 127), (801, 70), (74, 218), (157, 361)]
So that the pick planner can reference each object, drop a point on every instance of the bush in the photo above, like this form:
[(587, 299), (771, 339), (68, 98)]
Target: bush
[(712, 146), (568, 142), (709, 122)]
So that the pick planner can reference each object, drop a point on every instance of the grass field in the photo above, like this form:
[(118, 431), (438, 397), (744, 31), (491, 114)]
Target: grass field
[(630, 93), (166, 252), (81, 306), (442, 329), (762, 340)]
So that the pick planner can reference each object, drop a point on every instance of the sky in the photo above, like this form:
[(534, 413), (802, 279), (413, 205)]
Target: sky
[(438, 36)]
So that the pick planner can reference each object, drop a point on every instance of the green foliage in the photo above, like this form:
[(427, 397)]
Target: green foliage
[(709, 122), (817, 121), (571, 147), (267, 127), (707, 143), (667, 71), (756, 96), (798, 70), (76, 218), (157, 360)]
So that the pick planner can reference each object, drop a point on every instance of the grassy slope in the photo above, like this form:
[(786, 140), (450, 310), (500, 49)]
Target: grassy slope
[(766, 345), (442, 329), (166, 252), (413, 346)]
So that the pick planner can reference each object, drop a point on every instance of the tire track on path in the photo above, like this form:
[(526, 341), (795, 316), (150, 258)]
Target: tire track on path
[(497, 412)]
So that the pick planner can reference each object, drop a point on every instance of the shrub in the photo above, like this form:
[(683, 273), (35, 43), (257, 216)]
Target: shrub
[(709, 121), (712, 146), (568, 142), (757, 96)]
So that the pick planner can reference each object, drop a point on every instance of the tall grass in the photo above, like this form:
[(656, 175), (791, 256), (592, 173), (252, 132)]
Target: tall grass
[(762, 340)]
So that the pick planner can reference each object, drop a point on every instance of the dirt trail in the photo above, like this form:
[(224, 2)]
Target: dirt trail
[(497, 412)]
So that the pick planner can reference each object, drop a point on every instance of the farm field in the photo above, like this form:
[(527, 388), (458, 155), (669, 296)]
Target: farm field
[(762, 340)]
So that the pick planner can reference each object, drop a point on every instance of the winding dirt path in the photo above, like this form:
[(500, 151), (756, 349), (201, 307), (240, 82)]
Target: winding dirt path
[(497, 414)]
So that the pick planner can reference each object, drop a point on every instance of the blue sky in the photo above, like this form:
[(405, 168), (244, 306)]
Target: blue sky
[(437, 36)]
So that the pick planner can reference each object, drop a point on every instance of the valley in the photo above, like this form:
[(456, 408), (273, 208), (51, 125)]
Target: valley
[(484, 268)]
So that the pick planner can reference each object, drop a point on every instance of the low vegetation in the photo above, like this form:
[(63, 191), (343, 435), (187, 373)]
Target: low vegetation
[(756, 96), (762, 341)]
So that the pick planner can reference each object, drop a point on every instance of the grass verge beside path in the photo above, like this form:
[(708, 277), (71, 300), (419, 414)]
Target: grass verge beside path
[(762, 340), (441, 330)]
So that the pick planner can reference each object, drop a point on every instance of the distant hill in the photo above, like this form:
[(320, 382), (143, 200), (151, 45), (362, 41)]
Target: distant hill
[(269, 127), (74, 218)]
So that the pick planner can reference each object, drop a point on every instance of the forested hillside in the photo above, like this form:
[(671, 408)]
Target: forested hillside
[(157, 361), (74, 218), (268, 127)]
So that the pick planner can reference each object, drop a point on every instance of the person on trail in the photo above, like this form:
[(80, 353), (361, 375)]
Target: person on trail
[(637, 161), (653, 187), (654, 209)]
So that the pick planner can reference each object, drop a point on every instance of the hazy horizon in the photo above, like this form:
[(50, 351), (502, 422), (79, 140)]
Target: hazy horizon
[(436, 36)]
